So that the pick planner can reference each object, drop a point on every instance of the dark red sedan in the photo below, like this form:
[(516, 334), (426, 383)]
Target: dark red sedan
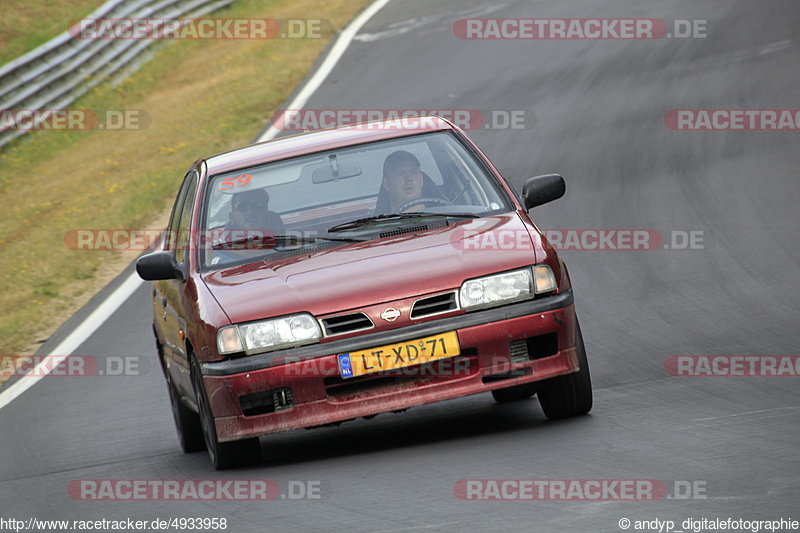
[(340, 274)]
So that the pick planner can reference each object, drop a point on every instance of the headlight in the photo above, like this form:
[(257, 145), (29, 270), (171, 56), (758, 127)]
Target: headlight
[(496, 289), (500, 289), (273, 334)]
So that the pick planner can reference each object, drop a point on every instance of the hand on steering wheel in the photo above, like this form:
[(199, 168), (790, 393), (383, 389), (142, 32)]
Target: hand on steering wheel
[(417, 201)]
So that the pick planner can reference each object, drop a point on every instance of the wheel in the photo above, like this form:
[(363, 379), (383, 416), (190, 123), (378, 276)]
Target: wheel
[(515, 394), (187, 422), (569, 395), (418, 201), (222, 454)]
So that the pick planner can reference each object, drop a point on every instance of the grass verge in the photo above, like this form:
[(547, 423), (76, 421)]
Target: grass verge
[(202, 97), (26, 24)]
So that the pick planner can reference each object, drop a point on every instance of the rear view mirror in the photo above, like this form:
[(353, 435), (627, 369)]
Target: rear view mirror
[(542, 189), (335, 170)]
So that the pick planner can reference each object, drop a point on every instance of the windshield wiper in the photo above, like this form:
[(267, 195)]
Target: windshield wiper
[(366, 220), (270, 241), (395, 216), (454, 215)]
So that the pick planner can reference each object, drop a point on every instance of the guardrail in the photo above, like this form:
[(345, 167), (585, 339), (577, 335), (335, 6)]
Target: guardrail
[(60, 71)]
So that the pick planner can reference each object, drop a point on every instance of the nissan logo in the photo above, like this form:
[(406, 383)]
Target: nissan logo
[(390, 315)]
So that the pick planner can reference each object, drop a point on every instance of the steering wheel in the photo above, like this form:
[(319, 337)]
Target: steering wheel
[(417, 201)]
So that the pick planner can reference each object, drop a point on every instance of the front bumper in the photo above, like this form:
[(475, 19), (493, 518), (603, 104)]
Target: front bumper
[(500, 347)]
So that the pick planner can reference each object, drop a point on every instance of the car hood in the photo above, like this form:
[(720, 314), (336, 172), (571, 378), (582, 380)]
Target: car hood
[(368, 273)]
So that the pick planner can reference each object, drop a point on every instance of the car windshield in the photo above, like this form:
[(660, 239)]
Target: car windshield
[(353, 194)]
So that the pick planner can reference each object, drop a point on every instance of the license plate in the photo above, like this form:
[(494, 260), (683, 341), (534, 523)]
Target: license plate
[(399, 355)]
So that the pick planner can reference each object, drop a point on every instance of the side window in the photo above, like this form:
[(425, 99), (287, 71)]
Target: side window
[(171, 236), (182, 240)]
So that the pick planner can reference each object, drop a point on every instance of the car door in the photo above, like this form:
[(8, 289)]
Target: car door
[(169, 299)]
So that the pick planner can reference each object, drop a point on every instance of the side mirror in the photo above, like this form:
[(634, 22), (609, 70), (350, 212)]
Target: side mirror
[(542, 189), (158, 266)]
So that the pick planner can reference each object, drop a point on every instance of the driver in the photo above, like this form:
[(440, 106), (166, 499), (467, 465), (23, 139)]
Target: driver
[(402, 179)]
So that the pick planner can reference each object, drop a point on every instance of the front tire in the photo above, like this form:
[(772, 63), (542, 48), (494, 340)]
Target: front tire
[(569, 395), (222, 454)]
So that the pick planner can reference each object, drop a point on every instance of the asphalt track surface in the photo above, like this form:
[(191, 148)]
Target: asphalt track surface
[(598, 108)]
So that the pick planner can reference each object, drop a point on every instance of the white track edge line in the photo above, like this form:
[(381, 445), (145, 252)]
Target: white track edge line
[(77, 337), (333, 57)]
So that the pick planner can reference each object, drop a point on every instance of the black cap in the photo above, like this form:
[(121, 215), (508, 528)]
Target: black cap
[(259, 194), (398, 157)]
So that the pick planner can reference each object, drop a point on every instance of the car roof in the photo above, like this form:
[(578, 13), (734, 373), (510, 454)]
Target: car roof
[(317, 141)]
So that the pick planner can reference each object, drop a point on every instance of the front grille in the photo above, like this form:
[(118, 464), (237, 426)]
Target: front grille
[(338, 325), (433, 305)]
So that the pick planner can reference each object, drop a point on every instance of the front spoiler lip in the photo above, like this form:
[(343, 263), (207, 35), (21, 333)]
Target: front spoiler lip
[(476, 318)]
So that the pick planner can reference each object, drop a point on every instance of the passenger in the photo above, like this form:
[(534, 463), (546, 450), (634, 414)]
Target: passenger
[(250, 211)]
